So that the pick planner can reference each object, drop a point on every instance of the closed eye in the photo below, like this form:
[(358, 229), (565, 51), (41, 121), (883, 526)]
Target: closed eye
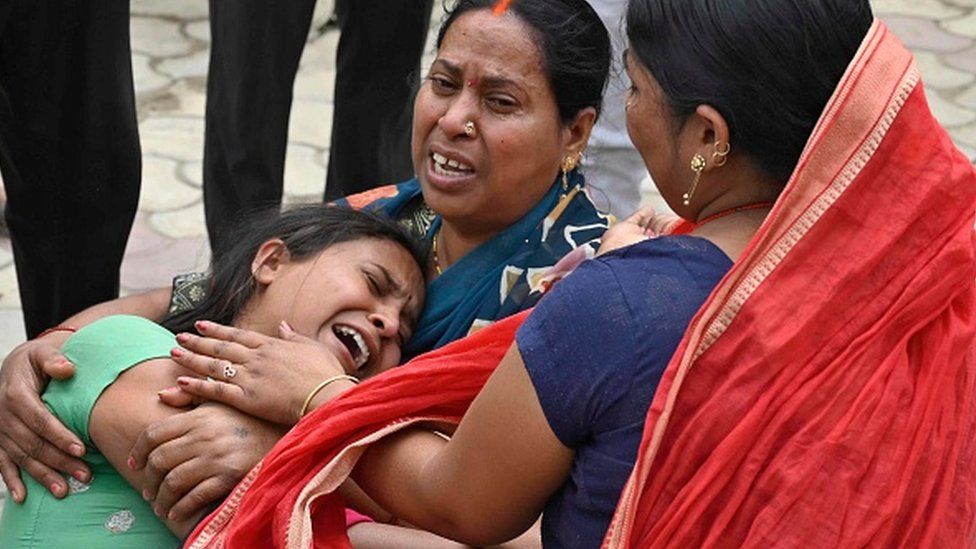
[(441, 85), (374, 285), (501, 104)]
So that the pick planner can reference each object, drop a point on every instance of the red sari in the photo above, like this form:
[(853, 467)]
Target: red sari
[(822, 397)]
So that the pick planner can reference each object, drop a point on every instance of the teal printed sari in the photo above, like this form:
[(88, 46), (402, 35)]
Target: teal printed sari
[(501, 277)]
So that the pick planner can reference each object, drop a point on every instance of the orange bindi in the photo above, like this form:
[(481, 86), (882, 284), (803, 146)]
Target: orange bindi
[(500, 7)]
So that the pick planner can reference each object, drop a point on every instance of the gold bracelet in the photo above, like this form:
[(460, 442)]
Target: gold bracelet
[(320, 386)]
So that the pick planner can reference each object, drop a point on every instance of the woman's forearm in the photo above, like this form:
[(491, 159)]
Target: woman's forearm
[(153, 305), (503, 462), (393, 471)]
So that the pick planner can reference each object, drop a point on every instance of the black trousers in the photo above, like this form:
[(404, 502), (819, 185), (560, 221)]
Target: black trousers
[(69, 150), (255, 50)]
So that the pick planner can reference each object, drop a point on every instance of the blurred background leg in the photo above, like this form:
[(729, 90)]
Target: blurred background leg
[(377, 64), (69, 151)]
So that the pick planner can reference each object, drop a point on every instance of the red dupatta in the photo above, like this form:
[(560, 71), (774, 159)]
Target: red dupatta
[(274, 505), (824, 394)]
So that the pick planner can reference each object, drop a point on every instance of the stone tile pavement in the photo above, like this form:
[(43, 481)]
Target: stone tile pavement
[(170, 43)]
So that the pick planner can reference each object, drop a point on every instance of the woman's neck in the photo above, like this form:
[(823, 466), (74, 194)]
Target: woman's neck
[(733, 232), (731, 219), (250, 319), (453, 243)]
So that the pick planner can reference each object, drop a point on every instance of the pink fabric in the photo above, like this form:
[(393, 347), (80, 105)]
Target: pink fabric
[(354, 517)]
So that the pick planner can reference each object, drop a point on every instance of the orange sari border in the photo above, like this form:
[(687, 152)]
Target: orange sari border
[(328, 479)]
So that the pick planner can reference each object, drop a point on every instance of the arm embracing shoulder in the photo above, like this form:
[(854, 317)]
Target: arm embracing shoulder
[(153, 305), (503, 462)]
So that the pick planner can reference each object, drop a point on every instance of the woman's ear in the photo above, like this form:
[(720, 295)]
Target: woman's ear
[(577, 134), (710, 132), (269, 259)]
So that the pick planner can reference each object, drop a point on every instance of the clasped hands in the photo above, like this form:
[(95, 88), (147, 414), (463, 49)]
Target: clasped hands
[(643, 224)]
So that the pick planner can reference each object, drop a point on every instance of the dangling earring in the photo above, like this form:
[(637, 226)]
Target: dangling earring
[(569, 164), (697, 166), (720, 157)]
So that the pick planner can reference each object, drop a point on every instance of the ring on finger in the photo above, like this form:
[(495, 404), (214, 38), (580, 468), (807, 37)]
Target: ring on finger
[(229, 371)]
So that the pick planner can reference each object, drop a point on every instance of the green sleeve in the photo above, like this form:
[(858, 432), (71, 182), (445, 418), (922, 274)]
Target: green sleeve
[(100, 352)]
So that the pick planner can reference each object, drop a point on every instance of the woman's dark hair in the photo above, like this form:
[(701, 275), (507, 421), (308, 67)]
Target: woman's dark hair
[(574, 43), (306, 231), (768, 66)]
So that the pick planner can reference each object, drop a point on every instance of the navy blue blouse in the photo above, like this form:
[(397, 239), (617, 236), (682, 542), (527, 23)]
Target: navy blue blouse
[(595, 349)]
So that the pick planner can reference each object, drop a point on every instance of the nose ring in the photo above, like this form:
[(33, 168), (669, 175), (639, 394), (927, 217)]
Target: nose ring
[(469, 129)]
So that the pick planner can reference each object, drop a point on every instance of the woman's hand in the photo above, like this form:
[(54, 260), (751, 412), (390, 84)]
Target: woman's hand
[(644, 224), (31, 438), (263, 376), (196, 458)]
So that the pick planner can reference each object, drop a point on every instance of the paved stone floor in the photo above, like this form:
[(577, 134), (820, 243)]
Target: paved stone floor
[(170, 41)]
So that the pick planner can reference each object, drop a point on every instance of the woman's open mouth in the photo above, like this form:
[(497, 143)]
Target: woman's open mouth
[(449, 167), (354, 342)]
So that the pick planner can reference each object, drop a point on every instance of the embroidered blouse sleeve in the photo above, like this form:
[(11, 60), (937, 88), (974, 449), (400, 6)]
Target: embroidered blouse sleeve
[(189, 291)]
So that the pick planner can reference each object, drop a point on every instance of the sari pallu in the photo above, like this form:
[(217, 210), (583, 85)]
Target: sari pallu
[(824, 395), (501, 277)]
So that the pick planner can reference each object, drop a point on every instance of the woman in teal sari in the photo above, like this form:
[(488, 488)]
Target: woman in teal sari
[(505, 275), (496, 143)]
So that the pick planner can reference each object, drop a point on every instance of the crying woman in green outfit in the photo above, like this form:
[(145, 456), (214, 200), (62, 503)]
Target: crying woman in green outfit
[(361, 284)]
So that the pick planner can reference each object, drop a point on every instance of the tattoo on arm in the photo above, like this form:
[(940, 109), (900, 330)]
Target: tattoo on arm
[(241, 432)]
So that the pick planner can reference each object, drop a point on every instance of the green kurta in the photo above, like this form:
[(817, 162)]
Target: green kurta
[(106, 512)]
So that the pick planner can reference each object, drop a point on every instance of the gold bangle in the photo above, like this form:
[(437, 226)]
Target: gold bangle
[(320, 386)]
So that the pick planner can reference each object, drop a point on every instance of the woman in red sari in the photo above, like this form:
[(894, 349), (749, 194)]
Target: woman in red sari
[(821, 396)]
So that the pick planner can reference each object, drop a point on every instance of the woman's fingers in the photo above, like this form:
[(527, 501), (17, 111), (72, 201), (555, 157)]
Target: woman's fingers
[(217, 391), (214, 347), (231, 334), (55, 365), (41, 456), (176, 483), (641, 217), (45, 443), (43, 474), (31, 439), (203, 494), (219, 446), (652, 222), (207, 366), (176, 398), (154, 436), (45, 354), (11, 477), (41, 424)]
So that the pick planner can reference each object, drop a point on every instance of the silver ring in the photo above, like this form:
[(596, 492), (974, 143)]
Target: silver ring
[(229, 371), (469, 129)]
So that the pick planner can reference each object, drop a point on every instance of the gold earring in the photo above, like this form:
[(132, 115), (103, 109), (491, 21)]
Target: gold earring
[(569, 164), (720, 157), (697, 166)]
